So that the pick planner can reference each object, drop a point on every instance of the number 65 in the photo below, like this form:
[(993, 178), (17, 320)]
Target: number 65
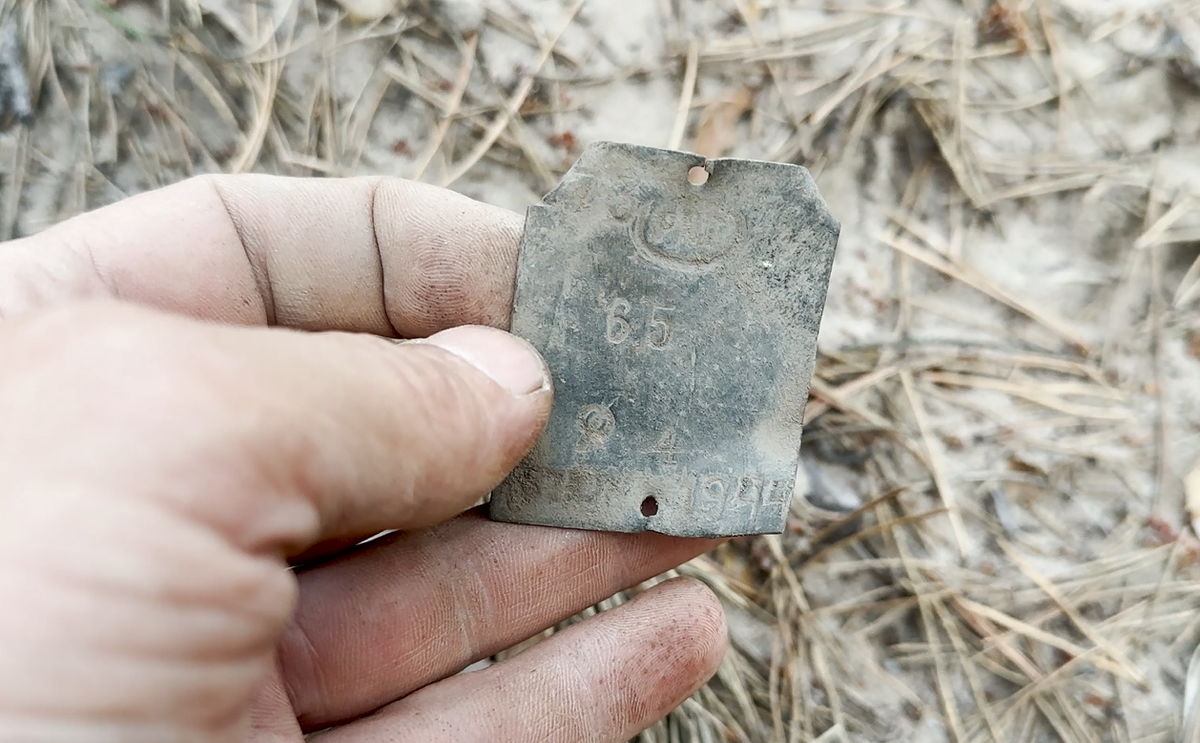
[(618, 328)]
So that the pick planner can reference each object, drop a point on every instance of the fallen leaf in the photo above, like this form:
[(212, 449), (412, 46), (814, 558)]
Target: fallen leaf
[(368, 10), (235, 16), (1189, 731), (1191, 489), (717, 133), (753, 11)]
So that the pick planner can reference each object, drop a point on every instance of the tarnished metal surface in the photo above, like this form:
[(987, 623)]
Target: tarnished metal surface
[(680, 324)]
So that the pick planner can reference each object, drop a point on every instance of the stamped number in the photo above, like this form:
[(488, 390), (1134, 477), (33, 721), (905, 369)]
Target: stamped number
[(658, 331), (665, 447), (618, 325)]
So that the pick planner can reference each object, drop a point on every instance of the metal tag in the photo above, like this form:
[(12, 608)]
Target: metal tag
[(680, 324)]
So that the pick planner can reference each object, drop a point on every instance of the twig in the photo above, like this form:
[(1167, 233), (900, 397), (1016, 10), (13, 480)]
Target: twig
[(950, 627), (992, 636), (16, 99), (1044, 394), (451, 109), (938, 466), (815, 408), (835, 398), (865, 74), (985, 287), (514, 103), (1128, 670), (10, 209), (924, 603), (685, 96), (264, 94)]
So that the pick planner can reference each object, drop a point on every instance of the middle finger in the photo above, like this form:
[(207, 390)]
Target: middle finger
[(413, 608)]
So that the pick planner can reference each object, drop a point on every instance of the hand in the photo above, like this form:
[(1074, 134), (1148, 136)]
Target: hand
[(194, 393)]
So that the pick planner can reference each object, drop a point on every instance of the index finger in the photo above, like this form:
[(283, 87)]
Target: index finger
[(375, 255)]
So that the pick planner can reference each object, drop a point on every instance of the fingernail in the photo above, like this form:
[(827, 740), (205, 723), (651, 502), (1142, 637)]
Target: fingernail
[(509, 361)]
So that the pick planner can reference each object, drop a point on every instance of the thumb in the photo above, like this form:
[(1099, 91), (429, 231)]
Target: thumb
[(278, 439)]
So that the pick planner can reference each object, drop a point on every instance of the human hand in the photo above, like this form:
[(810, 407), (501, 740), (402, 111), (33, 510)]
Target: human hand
[(193, 395)]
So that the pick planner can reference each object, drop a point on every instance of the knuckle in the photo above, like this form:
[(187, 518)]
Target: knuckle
[(45, 272), (437, 278)]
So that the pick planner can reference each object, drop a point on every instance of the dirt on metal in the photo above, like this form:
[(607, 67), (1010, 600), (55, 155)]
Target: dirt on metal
[(677, 301)]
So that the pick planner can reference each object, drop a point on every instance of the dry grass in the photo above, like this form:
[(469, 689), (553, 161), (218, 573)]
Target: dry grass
[(1017, 565)]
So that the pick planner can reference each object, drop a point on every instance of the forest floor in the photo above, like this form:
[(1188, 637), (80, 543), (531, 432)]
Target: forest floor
[(996, 539)]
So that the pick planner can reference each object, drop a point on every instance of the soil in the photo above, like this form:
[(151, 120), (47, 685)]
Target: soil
[(994, 540)]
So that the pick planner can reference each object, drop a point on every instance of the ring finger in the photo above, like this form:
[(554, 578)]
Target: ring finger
[(414, 608)]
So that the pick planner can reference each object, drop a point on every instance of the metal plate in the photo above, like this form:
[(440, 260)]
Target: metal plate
[(679, 322)]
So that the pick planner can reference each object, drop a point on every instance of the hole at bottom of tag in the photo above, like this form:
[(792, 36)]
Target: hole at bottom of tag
[(649, 507)]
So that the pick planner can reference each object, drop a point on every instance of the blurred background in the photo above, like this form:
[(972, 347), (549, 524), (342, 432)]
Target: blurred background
[(995, 537)]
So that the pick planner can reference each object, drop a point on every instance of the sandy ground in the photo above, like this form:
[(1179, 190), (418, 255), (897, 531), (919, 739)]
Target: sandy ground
[(994, 541)]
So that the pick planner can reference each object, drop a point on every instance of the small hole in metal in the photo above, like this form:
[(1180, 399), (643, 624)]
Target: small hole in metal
[(649, 507), (698, 176)]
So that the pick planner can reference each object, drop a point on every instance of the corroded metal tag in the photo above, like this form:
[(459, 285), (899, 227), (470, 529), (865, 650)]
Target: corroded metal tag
[(680, 323)]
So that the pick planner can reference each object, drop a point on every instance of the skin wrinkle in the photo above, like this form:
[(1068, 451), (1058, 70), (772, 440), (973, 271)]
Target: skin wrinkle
[(463, 608), (665, 662), (448, 274), (440, 289), (25, 289), (89, 257), (271, 719), (117, 661), (581, 710), (425, 579), (261, 273), (592, 569), (492, 554), (303, 669), (376, 187), (510, 289), (625, 706), (449, 609), (424, 592), (464, 614), (203, 602), (528, 697), (442, 629), (321, 257)]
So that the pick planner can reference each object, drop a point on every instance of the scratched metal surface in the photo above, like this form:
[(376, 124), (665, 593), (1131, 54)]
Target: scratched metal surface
[(679, 322)]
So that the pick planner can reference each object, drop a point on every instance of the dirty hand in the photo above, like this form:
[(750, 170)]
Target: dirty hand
[(194, 394)]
